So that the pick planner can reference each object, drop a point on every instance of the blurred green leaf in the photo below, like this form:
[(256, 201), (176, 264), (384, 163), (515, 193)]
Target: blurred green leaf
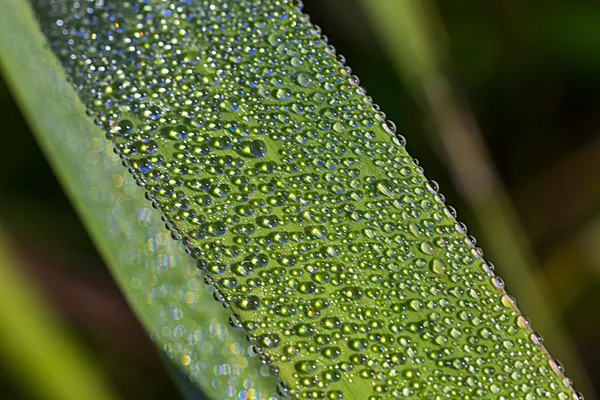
[(36, 346)]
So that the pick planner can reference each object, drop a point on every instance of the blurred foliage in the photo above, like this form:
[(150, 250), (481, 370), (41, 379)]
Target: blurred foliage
[(530, 73), (36, 345)]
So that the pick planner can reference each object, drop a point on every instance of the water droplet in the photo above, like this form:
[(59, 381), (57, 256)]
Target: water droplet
[(386, 188), (256, 148), (305, 79), (389, 127), (249, 303), (437, 266), (276, 38)]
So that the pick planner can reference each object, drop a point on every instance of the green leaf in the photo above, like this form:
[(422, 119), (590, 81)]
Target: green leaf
[(306, 215)]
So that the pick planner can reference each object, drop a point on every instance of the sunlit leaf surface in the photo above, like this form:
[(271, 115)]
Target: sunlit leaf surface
[(298, 201)]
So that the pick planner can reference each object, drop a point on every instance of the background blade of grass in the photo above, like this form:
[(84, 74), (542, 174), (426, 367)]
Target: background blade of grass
[(413, 36), (158, 278), (36, 347)]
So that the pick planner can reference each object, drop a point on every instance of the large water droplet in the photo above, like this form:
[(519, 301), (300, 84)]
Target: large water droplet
[(305, 79), (385, 187)]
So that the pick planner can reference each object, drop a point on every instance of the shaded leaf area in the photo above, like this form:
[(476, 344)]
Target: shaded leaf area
[(157, 277), (302, 207)]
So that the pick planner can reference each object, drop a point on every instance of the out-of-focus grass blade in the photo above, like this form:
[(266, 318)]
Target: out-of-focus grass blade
[(36, 348), (158, 278)]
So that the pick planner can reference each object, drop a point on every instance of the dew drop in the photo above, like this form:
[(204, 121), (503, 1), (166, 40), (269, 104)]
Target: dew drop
[(389, 127), (256, 149), (276, 38), (386, 188), (437, 266), (305, 79), (249, 303)]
